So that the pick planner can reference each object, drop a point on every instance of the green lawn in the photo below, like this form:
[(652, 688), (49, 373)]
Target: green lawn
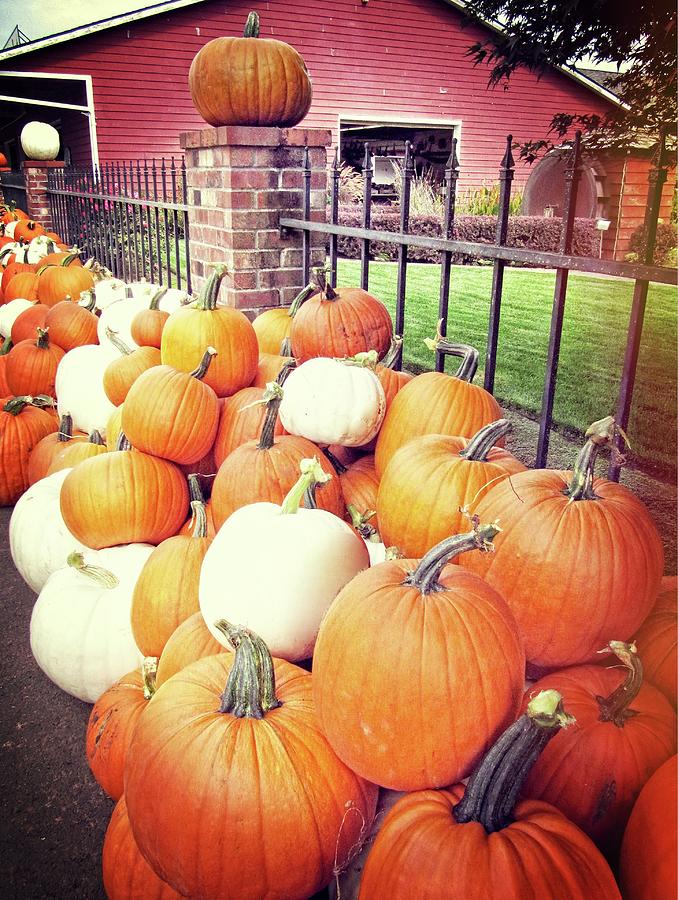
[(592, 349)]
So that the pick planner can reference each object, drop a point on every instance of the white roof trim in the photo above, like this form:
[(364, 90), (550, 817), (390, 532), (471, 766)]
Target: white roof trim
[(170, 5), (146, 13)]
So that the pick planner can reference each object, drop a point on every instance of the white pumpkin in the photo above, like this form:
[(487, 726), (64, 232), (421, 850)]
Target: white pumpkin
[(40, 141), (332, 401), (39, 540), (107, 291), (276, 569), (81, 635), (38, 248), (9, 312), (19, 251), (79, 386), (118, 316), (8, 229)]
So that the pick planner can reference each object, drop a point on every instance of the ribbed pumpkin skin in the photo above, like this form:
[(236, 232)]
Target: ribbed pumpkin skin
[(147, 327), (171, 414), (18, 436), (576, 574), (594, 770), (71, 325), (4, 387), (121, 373), (12, 269), (189, 641), (189, 331), (648, 864), (421, 851), (433, 403), (58, 282), (188, 764), (425, 486), (124, 497), (658, 638), (26, 322), (32, 369), (74, 452), (42, 454), (239, 422), (269, 368), (272, 327), (109, 731), (126, 874), (411, 690), (359, 484), (24, 284), (166, 592), (249, 81), (354, 322), (251, 475)]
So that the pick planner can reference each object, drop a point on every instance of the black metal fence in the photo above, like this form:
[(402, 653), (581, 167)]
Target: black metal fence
[(563, 262), (133, 217), (13, 188)]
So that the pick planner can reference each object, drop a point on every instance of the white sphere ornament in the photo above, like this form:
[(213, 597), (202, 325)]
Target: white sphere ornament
[(40, 141)]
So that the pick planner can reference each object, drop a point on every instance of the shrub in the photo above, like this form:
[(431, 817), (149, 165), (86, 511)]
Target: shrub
[(665, 243), (529, 232)]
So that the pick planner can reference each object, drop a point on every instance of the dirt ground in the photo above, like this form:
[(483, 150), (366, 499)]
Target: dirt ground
[(54, 815)]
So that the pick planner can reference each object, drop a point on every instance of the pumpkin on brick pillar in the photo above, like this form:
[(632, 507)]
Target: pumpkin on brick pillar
[(250, 81), (39, 141)]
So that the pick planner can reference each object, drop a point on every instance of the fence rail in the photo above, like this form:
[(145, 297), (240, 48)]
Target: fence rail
[(14, 188), (133, 217), (563, 262)]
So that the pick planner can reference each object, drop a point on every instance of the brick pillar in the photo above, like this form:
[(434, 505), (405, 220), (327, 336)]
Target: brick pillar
[(37, 200), (240, 181)]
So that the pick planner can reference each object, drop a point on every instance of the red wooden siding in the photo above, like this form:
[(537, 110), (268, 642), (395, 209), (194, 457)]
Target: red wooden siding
[(398, 59)]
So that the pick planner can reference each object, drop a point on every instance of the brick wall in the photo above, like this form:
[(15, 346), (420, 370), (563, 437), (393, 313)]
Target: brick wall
[(37, 200), (240, 181)]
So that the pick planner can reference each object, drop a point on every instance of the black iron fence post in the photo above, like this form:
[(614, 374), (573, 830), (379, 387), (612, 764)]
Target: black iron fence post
[(572, 174), (368, 172), (506, 172), (656, 179), (451, 178), (306, 212)]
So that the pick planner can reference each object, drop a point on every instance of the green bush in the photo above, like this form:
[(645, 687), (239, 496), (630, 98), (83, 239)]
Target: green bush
[(664, 247)]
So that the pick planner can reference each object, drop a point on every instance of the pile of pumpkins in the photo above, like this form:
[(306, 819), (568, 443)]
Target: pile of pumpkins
[(304, 590)]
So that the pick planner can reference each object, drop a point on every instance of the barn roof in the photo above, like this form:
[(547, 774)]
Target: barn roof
[(586, 78)]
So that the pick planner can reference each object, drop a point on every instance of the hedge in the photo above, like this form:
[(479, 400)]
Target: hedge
[(530, 232)]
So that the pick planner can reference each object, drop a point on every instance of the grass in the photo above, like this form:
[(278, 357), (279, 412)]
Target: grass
[(592, 348)]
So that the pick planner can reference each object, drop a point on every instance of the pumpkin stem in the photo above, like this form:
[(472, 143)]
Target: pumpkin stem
[(361, 523), (6, 346), (484, 440), (250, 690), (615, 708), (469, 355), (367, 359), (204, 364), (493, 788), (252, 26), (601, 434), (67, 260), (42, 343), (392, 356), (123, 442), (337, 464), (65, 432), (425, 576), (149, 671), (119, 345), (286, 346), (311, 473), (327, 292), (156, 298), (103, 577), (210, 291), (87, 300), (16, 404), (272, 397), (301, 297), (95, 438)]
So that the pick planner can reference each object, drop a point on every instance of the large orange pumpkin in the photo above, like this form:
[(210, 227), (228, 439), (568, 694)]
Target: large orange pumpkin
[(73, 452), (202, 324), (71, 325), (481, 841), (233, 740), (24, 421), (436, 403), (32, 365), (23, 327), (407, 654), (273, 326), (241, 418), (625, 730), (189, 641), (250, 81), (121, 373), (58, 282), (579, 559), (111, 722), (657, 640), (147, 326), (340, 322), (42, 454)]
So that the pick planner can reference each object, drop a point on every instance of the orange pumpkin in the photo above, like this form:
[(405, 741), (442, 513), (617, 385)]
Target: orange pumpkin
[(23, 328), (42, 454), (272, 326), (12, 269), (250, 81), (269, 368), (74, 452), (147, 326), (121, 373), (56, 283), (71, 325), (189, 641), (23, 422), (24, 284), (32, 365), (657, 639), (241, 417), (27, 229)]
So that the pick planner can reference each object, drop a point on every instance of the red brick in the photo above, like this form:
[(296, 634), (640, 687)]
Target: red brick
[(280, 200), (307, 137), (236, 199), (245, 219), (290, 258), (242, 157), (278, 157), (248, 136), (267, 278), (268, 239), (255, 259), (244, 281), (293, 178), (260, 179), (252, 299)]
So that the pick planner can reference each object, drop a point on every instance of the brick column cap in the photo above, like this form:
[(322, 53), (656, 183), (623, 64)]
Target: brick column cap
[(44, 164), (254, 136)]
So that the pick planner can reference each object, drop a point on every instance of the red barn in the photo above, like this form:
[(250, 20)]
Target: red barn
[(383, 71)]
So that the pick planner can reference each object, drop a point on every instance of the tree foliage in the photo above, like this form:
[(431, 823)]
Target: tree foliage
[(639, 38)]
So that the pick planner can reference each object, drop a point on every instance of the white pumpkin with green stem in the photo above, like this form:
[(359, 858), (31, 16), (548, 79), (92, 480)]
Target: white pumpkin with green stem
[(81, 635), (334, 401), (39, 540), (276, 569)]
